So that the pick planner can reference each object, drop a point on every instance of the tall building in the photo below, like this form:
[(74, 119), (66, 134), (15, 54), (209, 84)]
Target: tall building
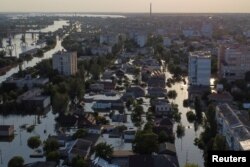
[(65, 62), (199, 68), (234, 61)]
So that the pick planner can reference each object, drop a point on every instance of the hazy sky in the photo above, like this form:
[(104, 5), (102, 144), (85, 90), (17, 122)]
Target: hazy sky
[(242, 6)]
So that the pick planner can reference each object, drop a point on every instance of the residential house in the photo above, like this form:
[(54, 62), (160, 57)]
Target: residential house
[(119, 118), (27, 81), (157, 79), (108, 74), (162, 107), (167, 148), (108, 104), (157, 92), (120, 73), (136, 91), (87, 119), (94, 129), (33, 100), (121, 157), (129, 135), (96, 87), (6, 130), (99, 162), (80, 148)]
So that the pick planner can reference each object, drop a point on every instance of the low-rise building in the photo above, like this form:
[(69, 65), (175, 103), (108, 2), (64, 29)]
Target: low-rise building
[(80, 148), (27, 81), (162, 107), (157, 92), (129, 135), (157, 79), (32, 100), (6, 130), (121, 157), (108, 104), (136, 91)]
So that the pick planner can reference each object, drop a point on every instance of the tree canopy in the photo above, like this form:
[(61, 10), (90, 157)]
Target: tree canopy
[(103, 150), (16, 161), (145, 142), (34, 142)]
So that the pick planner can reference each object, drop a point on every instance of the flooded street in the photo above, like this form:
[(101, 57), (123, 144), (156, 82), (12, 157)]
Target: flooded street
[(185, 148)]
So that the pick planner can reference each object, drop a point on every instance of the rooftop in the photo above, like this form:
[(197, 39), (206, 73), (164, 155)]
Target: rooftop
[(200, 54)]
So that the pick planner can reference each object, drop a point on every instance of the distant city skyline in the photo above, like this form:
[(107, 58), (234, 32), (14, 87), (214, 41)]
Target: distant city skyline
[(130, 6)]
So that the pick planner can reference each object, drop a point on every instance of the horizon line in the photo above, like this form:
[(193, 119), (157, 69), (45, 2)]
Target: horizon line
[(26, 12)]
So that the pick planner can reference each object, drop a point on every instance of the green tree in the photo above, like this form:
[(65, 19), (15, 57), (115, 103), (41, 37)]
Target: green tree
[(34, 142), (198, 109), (180, 131), (16, 161), (103, 150), (51, 145), (145, 142), (219, 143), (79, 162), (162, 137), (80, 133), (190, 116), (53, 156), (172, 94), (60, 102)]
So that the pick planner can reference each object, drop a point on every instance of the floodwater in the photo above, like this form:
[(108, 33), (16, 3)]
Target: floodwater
[(18, 146), (185, 148), (35, 60)]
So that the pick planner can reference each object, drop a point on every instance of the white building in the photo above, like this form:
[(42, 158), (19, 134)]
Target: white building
[(162, 107), (65, 62), (234, 125), (199, 68)]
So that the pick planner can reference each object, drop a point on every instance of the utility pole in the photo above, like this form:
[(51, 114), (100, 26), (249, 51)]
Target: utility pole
[(150, 9)]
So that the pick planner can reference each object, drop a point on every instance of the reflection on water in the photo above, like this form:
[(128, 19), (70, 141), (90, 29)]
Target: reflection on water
[(35, 60), (18, 146), (185, 148)]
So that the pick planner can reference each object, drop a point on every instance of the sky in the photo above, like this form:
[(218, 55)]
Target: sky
[(140, 6)]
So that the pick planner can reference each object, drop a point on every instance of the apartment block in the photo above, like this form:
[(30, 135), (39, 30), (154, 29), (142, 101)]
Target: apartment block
[(65, 62), (235, 126), (199, 68), (234, 61)]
